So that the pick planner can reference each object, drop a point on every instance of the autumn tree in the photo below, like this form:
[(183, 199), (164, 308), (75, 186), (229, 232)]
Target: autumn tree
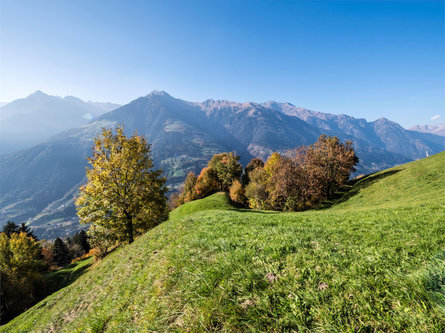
[(281, 182), (189, 193), (20, 273), (328, 164), (227, 168), (252, 165), (287, 186), (102, 239), (174, 200), (256, 190), (237, 193), (206, 183), (124, 195)]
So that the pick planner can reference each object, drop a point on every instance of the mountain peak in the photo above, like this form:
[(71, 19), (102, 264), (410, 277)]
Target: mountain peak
[(158, 93), (386, 121), (37, 93)]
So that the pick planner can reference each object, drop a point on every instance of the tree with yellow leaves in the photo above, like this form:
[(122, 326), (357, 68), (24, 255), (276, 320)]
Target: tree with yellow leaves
[(124, 195), (20, 274)]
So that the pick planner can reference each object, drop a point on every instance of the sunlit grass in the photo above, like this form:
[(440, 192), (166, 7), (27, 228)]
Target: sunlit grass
[(373, 261)]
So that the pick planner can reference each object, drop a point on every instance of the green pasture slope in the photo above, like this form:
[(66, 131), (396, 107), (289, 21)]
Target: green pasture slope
[(372, 262)]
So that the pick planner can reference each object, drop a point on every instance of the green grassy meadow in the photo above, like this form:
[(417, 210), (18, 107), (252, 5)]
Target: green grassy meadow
[(372, 261)]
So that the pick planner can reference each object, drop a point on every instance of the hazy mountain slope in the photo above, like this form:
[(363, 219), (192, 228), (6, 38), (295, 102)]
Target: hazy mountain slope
[(373, 262), (31, 120), (437, 129), (37, 185), (104, 106)]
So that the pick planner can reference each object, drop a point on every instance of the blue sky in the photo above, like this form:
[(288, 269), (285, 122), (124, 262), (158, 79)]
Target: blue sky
[(366, 59)]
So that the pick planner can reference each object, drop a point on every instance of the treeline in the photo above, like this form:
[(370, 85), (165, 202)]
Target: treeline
[(296, 181), (24, 260)]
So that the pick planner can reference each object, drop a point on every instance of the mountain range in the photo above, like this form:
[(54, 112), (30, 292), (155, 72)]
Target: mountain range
[(38, 184), (438, 129), (31, 120)]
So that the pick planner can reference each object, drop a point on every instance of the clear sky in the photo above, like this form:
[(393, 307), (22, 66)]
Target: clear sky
[(366, 59)]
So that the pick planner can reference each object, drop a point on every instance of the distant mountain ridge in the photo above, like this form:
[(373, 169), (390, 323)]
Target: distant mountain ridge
[(31, 120), (382, 133), (437, 129), (38, 184)]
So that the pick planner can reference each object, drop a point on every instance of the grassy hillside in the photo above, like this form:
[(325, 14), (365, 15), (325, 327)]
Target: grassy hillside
[(67, 275), (374, 261)]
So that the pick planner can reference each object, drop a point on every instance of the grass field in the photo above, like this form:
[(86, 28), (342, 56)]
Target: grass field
[(374, 261)]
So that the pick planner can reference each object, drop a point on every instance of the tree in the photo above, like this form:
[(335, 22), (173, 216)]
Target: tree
[(189, 193), (124, 196), (207, 183), (237, 193), (24, 228), (174, 200), (78, 245), (252, 165), (256, 191), (227, 168), (272, 164), (287, 186), (10, 228), (61, 254), (281, 181), (81, 239), (328, 164), (20, 274), (47, 254), (102, 239)]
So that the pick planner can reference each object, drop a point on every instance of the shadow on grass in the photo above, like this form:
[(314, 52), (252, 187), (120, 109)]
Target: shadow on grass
[(65, 276), (57, 280), (354, 186), (250, 211)]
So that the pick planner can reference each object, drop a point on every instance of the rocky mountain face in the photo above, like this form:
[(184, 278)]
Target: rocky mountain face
[(38, 184), (31, 120), (437, 129)]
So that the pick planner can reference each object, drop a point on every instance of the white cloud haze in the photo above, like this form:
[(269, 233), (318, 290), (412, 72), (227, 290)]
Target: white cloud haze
[(437, 116)]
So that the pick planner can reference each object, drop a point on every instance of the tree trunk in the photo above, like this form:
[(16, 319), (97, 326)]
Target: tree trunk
[(129, 228)]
